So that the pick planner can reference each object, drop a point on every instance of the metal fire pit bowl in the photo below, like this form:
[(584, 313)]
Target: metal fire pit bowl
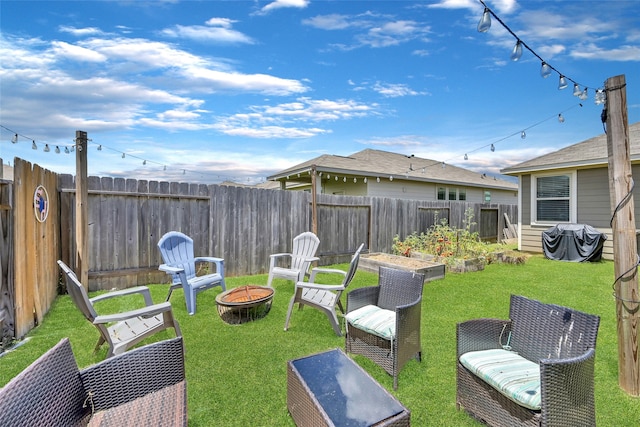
[(244, 304)]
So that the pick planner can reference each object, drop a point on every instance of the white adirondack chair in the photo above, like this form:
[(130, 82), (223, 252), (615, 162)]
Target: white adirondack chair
[(324, 297), (297, 262)]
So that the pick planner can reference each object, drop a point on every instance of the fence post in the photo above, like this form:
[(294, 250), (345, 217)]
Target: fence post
[(82, 210)]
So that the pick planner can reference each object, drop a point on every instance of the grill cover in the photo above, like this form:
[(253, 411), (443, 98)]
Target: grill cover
[(573, 242)]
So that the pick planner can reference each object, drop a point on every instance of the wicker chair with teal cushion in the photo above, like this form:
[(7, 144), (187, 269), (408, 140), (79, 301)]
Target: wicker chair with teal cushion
[(383, 322), (536, 369)]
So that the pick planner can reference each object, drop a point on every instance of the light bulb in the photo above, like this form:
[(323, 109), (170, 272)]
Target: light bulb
[(14, 138), (391, 178), (516, 53), (100, 147), (378, 179), (66, 150), (584, 95), (545, 70), (365, 180), (344, 179), (466, 157), (57, 150), (576, 90), (355, 180), (493, 148), (600, 97), (443, 165), (144, 162), (562, 83), (123, 155), (33, 145), (164, 168), (485, 21), (560, 118), (46, 148), (523, 135)]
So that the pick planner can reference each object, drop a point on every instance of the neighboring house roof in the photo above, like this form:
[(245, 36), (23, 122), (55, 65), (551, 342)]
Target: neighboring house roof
[(376, 163), (589, 153)]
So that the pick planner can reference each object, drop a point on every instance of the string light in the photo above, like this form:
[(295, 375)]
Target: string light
[(57, 150), (14, 139), (560, 118), (33, 145), (523, 134), (46, 148), (516, 53), (493, 148)]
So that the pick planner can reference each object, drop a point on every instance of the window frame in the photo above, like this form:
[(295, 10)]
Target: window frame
[(573, 202)]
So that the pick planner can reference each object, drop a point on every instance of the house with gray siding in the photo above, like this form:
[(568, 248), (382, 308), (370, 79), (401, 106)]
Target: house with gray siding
[(570, 185), (384, 174)]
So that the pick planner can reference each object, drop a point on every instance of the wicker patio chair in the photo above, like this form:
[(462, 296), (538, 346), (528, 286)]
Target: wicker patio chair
[(126, 329), (324, 297), (142, 387), (557, 340), (180, 263), (295, 265), (390, 338)]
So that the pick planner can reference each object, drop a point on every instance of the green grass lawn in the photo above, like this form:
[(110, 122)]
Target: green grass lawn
[(236, 375)]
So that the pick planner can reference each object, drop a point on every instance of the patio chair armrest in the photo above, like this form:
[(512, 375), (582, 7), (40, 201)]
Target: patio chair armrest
[(280, 255), (320, 270), (148, 311), (169, 269), (481, 334), (311, 285), (408, 317), (135, 290), (135, 373), (362, 296), (213, 260), (565, 385)]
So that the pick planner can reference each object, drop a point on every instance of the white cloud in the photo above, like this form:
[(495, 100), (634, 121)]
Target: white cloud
[(281, 4), (623, 54), (394, 90), (376, 30), (76, 53), (80, 32), (217, 30)]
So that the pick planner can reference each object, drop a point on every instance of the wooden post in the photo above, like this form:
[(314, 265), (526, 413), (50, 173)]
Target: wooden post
[(82, 210), (624, 236), (314, 202)]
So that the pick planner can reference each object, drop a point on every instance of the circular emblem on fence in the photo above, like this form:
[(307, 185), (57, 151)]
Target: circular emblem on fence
[(41, 203)]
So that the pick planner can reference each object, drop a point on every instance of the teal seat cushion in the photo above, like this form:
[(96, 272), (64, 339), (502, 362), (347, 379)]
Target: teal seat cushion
[(511, 374), (374, 320)]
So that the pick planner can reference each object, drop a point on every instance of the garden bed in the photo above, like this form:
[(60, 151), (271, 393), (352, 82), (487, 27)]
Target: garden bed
[(431, 270)]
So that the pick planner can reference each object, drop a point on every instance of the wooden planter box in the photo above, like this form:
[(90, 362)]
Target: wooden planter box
[(431, 270)]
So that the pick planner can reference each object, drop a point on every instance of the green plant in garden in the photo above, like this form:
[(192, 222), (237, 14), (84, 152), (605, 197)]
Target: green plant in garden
[(445, 242)]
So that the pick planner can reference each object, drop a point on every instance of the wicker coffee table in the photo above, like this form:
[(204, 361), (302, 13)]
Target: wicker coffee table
[(329, 389), (244, 304)]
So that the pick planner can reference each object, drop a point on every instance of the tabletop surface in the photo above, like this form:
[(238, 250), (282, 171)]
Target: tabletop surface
[(348, 395)]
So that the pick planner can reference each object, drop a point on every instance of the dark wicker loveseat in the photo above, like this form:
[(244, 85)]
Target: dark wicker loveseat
[(561, 344), (142, 387)]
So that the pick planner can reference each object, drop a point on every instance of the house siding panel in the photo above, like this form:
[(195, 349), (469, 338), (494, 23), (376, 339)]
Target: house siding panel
[(593, 198)]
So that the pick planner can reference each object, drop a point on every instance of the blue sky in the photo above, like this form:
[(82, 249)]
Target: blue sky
[(207, 91)]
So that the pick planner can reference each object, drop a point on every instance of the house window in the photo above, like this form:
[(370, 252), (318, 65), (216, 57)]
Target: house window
[(462, 194), (442, 193), (487, 196), (551, 197)]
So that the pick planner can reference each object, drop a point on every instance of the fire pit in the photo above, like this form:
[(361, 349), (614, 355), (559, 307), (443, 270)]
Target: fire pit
[(244, 304)]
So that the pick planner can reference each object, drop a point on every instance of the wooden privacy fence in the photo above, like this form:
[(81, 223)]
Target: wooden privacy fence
[(127, 217), (243, 225)]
